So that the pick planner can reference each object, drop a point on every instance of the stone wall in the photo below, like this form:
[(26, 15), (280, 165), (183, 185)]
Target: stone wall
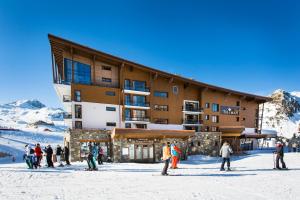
[(205, 143), (74, 137)]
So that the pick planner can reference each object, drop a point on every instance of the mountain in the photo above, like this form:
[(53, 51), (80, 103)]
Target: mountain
[(30, 114), (283, 113)]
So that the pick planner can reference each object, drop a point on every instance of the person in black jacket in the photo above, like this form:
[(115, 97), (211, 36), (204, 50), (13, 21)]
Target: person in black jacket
[(67, 154), (49, 152), (279, 155), (59, 152)]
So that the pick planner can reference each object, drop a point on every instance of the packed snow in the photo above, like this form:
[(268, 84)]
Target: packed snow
[(252, 177)]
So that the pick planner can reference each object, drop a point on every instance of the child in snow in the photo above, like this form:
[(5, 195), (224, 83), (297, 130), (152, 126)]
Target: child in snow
[(58, 155), (175, 152), (225, 153), (166, 158), (279, 155)]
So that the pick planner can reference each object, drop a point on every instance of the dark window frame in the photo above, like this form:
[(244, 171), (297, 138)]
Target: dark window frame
[(107, 68), (78, 123), (114, 124), (159, 94), (111, 109), (78, 115), (76, 96)]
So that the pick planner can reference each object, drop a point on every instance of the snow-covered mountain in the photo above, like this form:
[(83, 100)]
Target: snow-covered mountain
[(30, 114), (283, 113)]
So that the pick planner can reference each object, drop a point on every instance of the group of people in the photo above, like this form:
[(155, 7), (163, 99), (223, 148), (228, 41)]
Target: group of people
[(33, 156), (95, 153), (172, 152)]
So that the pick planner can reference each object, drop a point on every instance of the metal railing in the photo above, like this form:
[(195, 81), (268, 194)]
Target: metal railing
[(192, 109), (140, 89), (192, 122), (141, 104), (140, 119)]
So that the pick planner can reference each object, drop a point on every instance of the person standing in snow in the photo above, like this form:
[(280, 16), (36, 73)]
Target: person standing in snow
[(100, 156), (67, 154), (279, 155), (49, 152), (175, 153), (28, 156), (225, 153), (38, 153), (59, 152), (95, 151), (91, 162), (166, 158)]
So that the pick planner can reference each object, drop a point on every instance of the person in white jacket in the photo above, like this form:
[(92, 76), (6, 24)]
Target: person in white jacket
[(225, 153)]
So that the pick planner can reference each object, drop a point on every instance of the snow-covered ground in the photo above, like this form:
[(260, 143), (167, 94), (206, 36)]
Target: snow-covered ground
[(199, 178)]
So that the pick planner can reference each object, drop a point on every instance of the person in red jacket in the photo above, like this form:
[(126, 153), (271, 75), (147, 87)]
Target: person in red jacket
[(39, 154)]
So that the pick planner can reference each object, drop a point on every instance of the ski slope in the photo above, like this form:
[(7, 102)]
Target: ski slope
[(199, 178)]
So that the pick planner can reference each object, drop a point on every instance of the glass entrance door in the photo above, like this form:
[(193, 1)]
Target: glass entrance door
[(144, 153)]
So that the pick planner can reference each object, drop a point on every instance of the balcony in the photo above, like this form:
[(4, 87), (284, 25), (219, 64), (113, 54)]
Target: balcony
[(192, 110), (137, 105), (137, 119), (192, 122), (136, 90), (67, 116)]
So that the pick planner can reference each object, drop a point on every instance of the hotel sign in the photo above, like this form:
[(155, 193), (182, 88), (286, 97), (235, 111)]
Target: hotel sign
[(230, 110)]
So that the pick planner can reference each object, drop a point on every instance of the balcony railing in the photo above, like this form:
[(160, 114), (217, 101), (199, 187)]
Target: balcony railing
[(67, 98), (192, 122), (192, 109), (140, 104), (140, 89), (138, 119)]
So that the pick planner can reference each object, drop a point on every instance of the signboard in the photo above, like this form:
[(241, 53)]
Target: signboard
[(230, 110)]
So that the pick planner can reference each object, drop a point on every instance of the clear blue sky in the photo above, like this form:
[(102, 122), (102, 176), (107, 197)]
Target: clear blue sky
[(252, 46)]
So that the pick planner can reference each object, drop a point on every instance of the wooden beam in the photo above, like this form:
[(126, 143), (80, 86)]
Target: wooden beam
[(171, 80), (155, 76), (53, 70), (94, 69), (72, 55)]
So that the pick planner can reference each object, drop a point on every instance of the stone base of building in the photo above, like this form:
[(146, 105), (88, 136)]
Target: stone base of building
[(205, 143)]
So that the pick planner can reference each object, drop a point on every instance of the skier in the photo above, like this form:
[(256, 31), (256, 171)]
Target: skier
[(67, 153), (175, 152), (100, 155), (225, 153), (166, 158), (58, 155), (95, 151), (49, 152), (28, 156), (279, 155), (38, 153), (91, 162)]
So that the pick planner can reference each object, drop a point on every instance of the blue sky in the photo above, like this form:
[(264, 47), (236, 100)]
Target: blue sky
[(252, 46)]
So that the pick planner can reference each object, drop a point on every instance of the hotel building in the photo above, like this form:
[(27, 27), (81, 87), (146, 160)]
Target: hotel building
[(131, 109)]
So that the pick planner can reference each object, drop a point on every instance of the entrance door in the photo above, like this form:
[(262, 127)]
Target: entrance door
[(144, 153)]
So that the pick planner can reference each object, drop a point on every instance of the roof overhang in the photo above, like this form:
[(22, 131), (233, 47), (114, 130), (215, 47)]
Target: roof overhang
[(59, 44), (150, 134)]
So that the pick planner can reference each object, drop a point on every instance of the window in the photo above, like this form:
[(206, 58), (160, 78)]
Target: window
[(110, 93), (110, 123), (138, 100), (238, 103), (143, 126), (78, 111), (139, 85), (127, 125), (206, 117), (161, 107), (127, 84), (127, 114), (138, 113), (68, 70), (82, 73), (237, 119), (215, 119), (110, 108), (175, 89), (160, 121), (207, 105), (214, 129), (206, 128), (78, 125), (161, 94), (244, 119), (215, 107), (127, 99), (77, 96), (106, 68), (106, 80)]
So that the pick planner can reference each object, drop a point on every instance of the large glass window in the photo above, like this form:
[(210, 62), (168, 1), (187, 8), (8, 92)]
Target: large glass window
[(215, 118), (139, 85), (77, 95), (138, 113), (127, 114), (161, 94), (127, 99), (127, 84), (68, 70), (82, 73), (139, 100)]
